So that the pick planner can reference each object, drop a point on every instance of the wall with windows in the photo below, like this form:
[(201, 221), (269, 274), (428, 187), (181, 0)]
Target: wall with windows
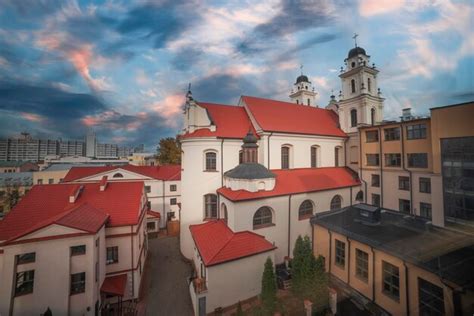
[(197, 182), (241, 215), (390, 296)]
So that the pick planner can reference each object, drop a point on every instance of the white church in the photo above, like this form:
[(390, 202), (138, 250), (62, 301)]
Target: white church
[(266, 166)]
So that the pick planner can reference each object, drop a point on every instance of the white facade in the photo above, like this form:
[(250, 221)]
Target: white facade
[(303, 92)]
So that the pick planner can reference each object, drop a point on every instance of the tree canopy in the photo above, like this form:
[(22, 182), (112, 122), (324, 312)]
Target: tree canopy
[(269, 288), (168, 151)]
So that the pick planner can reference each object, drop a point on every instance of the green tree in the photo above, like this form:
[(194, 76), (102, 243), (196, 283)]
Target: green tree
[(269, 288), (239, 311), (309, 280), (168, 151), (12, 197)]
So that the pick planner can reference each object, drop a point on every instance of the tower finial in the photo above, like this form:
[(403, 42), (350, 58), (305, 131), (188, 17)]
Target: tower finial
[(355, 38), (189, 94)]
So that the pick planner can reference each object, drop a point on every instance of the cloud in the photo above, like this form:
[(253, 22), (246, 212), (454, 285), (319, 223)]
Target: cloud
[(223, 88), (374, 7)]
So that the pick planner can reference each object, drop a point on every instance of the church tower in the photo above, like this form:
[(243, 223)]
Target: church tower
[(360, 101), (303, 92)]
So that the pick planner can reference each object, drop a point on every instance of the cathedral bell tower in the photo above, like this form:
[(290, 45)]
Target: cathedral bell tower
[(303, 91), (360, 101)]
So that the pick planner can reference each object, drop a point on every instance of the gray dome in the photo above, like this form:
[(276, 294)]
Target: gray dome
[(302, 78), (356, 51), (249, 171), (250, 140)]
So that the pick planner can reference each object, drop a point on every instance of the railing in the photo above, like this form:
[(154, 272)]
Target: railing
[(199, 285)]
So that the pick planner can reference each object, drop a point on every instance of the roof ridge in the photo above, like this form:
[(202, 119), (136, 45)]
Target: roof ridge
[(226, 243)]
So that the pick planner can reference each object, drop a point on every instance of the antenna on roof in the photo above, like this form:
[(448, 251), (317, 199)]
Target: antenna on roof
[(355, 38)]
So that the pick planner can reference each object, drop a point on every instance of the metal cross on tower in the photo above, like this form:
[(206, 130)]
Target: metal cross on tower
[(355, 38)]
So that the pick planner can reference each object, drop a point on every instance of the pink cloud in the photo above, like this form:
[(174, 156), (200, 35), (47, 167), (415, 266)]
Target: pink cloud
[(374, 7), (170, 108), (31, 117)]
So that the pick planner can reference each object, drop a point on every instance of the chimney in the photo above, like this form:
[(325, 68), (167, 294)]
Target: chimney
[(75, 192), (103, 183)]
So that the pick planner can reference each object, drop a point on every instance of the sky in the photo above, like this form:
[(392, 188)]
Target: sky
[(122, 68)]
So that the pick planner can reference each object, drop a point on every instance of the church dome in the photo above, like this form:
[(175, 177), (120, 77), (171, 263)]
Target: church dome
[(250, 140), (356, 51), (249, 171), (302, 78)]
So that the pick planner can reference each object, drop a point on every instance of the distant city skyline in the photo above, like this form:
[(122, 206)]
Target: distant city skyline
[(123, 68)]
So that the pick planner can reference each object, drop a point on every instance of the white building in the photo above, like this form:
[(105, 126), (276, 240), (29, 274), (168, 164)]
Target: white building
[(162, 187), (91, 144), (73, 248)]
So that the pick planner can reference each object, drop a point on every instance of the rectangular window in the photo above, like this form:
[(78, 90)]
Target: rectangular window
[(150, 226), (148, 205), (340, 253), (391, 280), (50, 181), (419, 160), (26, 258), (314, 151), (425, 210), (375, 199), (392, 133), (112, 255), (147, 189), (416, 131), (372, 159), (404, 183), (372, 136), (285, 157), (173, 201), (362, 264), (404, 206), (173, 187), (78, 250), (40, 181), (78, 283), (24, 282), (376, 180), (431, 298), (425, 185), (211, 161), (393, 160)]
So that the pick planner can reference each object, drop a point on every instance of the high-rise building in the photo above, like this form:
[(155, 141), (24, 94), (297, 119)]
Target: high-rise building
[(91, 144)]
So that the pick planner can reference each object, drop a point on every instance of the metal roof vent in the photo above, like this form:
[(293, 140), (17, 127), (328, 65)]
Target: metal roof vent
[(368, 214)]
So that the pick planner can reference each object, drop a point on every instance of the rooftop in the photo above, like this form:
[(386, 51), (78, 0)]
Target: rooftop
[(294, 181), (49, 204), (16, 178), (165, 172), (442, 251), (217, 243), (4, 164)]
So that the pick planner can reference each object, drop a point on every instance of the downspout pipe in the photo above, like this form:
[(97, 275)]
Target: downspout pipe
[(407, 296), (373, 274), (133, 271), (405, 169), (268, 150), (289, 224), (222, 162), (381, 168), (330, 251), (348, 261), (360, 169)]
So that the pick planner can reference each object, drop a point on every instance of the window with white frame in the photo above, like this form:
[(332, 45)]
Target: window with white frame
[(210, 206), (306, 209), (211, 161), (262, 217)]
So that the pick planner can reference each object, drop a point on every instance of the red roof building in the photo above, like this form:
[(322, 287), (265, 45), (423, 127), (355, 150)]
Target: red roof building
[(217, 243), (293, 181), (165, 172), (83, 207)]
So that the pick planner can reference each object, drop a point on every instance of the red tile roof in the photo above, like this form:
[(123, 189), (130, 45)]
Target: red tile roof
[(48, 204), (153, 214), (217, 243), (285, 117), (231, 122), (292, 181), (165, 172), (115, 285)]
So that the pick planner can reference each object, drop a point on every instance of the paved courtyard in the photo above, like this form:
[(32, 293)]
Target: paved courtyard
[(165, 290)]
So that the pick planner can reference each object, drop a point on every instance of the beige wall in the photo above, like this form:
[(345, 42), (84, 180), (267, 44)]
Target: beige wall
[(322, 238), (450, 121), (45, 176)]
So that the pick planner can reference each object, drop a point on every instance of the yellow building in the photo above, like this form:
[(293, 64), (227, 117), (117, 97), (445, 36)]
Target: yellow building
[(395, 263)]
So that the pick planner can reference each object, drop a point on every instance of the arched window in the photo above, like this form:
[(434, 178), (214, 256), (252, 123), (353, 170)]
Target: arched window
[(314, 156), (305, 210), (369, 86), (224, 212), (336, 202), (353, 118), (261, 186), (285, 157), (372, 116), (210, 206), (353, 86), (353, 64), (306, 87), (336, 156), (117, 175), (360, 196), (211, 161), (262, 217)]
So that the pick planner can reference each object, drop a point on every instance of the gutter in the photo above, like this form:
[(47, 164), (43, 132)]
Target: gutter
[(348, 261), (222, 162), (330, 250), (165, 215), (381, 168), (268, 150), (373, 274), (360, 168), (405, 169), (133, 272), (407, 297)]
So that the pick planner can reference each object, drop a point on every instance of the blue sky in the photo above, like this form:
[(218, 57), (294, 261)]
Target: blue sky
[(122, 67)]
